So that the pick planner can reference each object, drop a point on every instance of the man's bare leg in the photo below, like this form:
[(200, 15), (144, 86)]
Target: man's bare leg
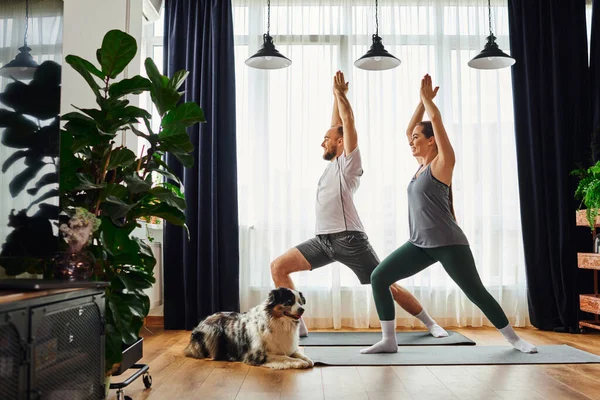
[(408, 302), (281, 268)]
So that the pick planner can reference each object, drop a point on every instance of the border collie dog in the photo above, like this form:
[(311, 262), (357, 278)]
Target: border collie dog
[(266, 335)]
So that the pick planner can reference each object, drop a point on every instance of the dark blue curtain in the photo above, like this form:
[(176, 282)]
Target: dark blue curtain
[(552, 126), (201, 276)]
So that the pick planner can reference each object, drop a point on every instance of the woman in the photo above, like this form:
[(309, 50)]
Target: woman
[(434, 233)]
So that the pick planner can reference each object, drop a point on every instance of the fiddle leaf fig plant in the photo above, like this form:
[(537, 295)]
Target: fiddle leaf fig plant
[(116, 184)]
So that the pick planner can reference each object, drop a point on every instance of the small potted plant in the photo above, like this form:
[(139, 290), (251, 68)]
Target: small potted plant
[(588, 191)]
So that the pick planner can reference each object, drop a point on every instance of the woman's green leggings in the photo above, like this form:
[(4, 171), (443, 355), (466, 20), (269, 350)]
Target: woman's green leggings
[(456, 260)]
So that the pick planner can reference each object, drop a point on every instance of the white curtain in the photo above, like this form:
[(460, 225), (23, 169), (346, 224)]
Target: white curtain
[(282, 116), (44, 37)]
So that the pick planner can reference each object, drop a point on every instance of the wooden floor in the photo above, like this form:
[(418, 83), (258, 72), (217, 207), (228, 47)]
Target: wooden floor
[(177, 377)]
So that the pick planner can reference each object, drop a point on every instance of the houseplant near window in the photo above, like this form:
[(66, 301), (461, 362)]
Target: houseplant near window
[(116, 185)]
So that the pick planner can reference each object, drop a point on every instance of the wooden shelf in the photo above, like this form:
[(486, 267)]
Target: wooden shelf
[(589, 324), (588, 260), (582, 220), (590, 303)]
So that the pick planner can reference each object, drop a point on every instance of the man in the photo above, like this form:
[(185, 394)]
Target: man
[(340, 235)]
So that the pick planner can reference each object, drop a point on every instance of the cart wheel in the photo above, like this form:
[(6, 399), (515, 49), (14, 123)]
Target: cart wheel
[(127, 398), (147, 378)]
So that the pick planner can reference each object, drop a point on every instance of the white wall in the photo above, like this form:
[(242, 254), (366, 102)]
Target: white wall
[(85, 24)]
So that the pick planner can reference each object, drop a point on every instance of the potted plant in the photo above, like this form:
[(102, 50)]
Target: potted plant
[(116, 185), (588, 191)]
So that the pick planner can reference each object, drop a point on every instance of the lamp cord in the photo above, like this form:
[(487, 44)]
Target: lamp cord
[(26, 21), (268, 16), (490, 16), (376, 20)]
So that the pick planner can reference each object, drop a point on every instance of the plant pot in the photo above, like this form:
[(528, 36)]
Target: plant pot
[(581, 219), (131, 354)]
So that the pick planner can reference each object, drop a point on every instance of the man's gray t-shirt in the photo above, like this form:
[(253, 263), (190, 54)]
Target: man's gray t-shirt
[(335, 195)]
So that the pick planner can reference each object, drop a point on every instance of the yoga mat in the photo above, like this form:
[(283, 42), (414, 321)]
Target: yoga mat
[(449, 355), (368, 338)]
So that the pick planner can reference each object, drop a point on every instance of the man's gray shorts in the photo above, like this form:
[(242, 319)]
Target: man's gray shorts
[(351, 248)]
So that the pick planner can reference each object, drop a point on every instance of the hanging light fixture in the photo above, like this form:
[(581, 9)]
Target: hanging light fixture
[(491, 57), (377, 58), (268, 57), (23, 67)]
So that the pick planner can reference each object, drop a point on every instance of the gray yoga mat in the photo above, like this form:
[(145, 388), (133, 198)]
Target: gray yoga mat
[(449, 355), (368, 338)]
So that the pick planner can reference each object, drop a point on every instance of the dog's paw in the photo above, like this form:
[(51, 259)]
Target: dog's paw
[(276, 366), (299, 364), (309, 362)]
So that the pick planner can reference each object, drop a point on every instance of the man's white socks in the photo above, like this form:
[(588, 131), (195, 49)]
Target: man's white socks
[(388, 342), (509, 333), (435, 330)]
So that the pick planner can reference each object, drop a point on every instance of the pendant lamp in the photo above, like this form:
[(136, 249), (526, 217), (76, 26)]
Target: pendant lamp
[(268, 57), (491, 57), (377, 58)]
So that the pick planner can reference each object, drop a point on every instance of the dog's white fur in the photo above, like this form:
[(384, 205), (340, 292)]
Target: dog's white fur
[(266, 335)]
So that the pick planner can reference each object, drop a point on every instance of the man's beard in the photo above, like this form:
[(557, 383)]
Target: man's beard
[(330, 155)]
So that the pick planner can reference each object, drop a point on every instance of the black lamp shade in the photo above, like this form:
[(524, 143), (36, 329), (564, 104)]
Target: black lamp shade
[(491, 57), (377, 58), (22, 67), (268, 57)]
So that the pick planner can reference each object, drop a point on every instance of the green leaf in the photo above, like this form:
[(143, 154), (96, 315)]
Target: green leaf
[(135, 278), (168, 197), (178, 78), (163, 96), (130, 111), (135, 85), (176, 144), (164, 99), (115, 190), (174, 130), (86, 184), (117, 51), (173, 188), (164, 211), (73, 116), (153, 73), (116, 239), (81, 66), (185, 159), (187, 114), (116, 209), (128, 312), (121, 158), (166, 174), (136, 184)]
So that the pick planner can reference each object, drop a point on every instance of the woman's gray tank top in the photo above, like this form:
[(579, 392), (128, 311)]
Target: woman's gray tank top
[(430, 219)]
